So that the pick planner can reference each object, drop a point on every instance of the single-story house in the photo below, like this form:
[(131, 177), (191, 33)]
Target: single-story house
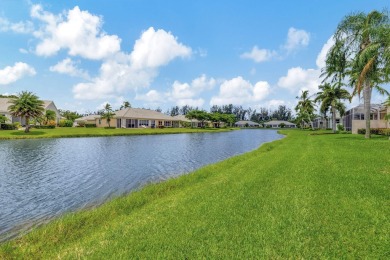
[(183, 120), (354, 118), (246, 123), (4, 104), (321, 122), (279, 124), (132, 118)]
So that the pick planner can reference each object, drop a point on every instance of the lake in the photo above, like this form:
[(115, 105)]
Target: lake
[(43, 178)]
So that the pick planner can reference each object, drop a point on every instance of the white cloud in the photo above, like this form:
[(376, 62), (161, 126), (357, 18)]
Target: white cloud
[(298, 79), (19, 27), (124, 72), (296, 39), (77, 31), (24, 51), (259, 55), (157, 48), (19, 70), (321, 58), (69, 67), (151, 96), (238, 91)]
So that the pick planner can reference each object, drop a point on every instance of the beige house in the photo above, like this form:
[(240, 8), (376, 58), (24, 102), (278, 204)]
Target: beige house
[(277, 124), (246, 123), (354, 118), (132, 118), (48, 105)]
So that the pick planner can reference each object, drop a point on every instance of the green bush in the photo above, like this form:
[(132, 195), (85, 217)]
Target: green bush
[(8, 127), (340, 127), (44, 126), (90, 125), (375, 131), (109, 127), (65, 123)]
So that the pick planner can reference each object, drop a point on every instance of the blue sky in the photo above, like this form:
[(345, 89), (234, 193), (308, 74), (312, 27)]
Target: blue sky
[(82, 54)]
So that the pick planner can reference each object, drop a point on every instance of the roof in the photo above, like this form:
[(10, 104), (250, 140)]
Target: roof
[(374, 107), (183, 118), (141, 114), (243, 122), (277, 122), (88, 118), (4, 104)]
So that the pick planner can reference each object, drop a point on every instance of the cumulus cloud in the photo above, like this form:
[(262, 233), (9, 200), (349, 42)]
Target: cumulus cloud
[(19, 27), (321, 58), (296, 38), (259, 55), (181, 94), (11, 74), (240, 92), (298, 79), (69, 67), (124, 72), (157, 48), (78, 32)]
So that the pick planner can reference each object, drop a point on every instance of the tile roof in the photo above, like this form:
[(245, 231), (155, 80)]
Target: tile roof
[(141, 114)]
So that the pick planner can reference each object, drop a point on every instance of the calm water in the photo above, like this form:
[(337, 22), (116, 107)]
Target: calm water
[(40, 179)]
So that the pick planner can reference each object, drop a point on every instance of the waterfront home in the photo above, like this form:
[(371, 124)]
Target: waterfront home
[(322, 122), (279, 124), (246, 123), (132, 118), (195, 123), (354, 118), (47, 104)]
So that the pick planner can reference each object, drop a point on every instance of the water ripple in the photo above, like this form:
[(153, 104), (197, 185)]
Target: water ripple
[(41, 179)]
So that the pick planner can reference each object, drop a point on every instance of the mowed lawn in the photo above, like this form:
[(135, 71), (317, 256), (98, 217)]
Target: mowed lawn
[(98, 131), (305, 196)]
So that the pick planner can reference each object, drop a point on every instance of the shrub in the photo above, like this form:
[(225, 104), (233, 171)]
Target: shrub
[(109, 127), (375, 131), (340, 127), (17, 125), (51, 123), (8, 127), (90, 125), (282, 125), (66, 123)]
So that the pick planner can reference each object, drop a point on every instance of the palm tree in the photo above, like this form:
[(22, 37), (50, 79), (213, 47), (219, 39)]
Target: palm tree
[(126, 104), (107, 114), (366, 42), (26, 104), (330, 96), (305, 108)]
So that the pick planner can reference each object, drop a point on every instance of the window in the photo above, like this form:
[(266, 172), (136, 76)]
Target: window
[(167, 123), (100, 121), (144, 122), (159, 123)]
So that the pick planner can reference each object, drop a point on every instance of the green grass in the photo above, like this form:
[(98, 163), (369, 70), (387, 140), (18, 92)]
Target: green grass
[(305, 196), (94, 132)]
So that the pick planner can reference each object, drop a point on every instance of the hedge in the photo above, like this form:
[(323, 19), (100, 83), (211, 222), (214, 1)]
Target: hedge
[(375, 131)]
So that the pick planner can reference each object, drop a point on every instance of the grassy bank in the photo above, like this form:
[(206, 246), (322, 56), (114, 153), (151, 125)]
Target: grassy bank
[(94, 132), (306, 196)]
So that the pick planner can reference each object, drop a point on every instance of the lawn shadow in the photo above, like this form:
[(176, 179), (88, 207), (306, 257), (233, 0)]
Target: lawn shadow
[(31, 133)]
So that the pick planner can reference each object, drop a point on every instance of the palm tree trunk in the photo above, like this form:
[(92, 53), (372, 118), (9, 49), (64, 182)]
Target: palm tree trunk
[(27, 129), (367, 90), (333, 120)]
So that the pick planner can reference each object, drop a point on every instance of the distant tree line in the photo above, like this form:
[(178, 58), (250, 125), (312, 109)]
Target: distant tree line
[(261, 115)]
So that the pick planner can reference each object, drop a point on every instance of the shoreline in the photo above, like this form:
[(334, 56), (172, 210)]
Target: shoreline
[(253, 204), (100, 132)]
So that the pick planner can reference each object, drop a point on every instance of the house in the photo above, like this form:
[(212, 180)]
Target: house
[(194, 123), (246, 123), (132, 118), (279, 124), (321, 122), (354, 118), (47, 104)]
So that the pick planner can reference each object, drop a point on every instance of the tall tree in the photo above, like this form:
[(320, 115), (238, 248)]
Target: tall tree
[(107, 114), (365, 40), (330, 97), (27, 105), (125, 104), (305, 108)]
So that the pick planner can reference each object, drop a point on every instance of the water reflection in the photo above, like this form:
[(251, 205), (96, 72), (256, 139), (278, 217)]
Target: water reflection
[(43, 178)]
